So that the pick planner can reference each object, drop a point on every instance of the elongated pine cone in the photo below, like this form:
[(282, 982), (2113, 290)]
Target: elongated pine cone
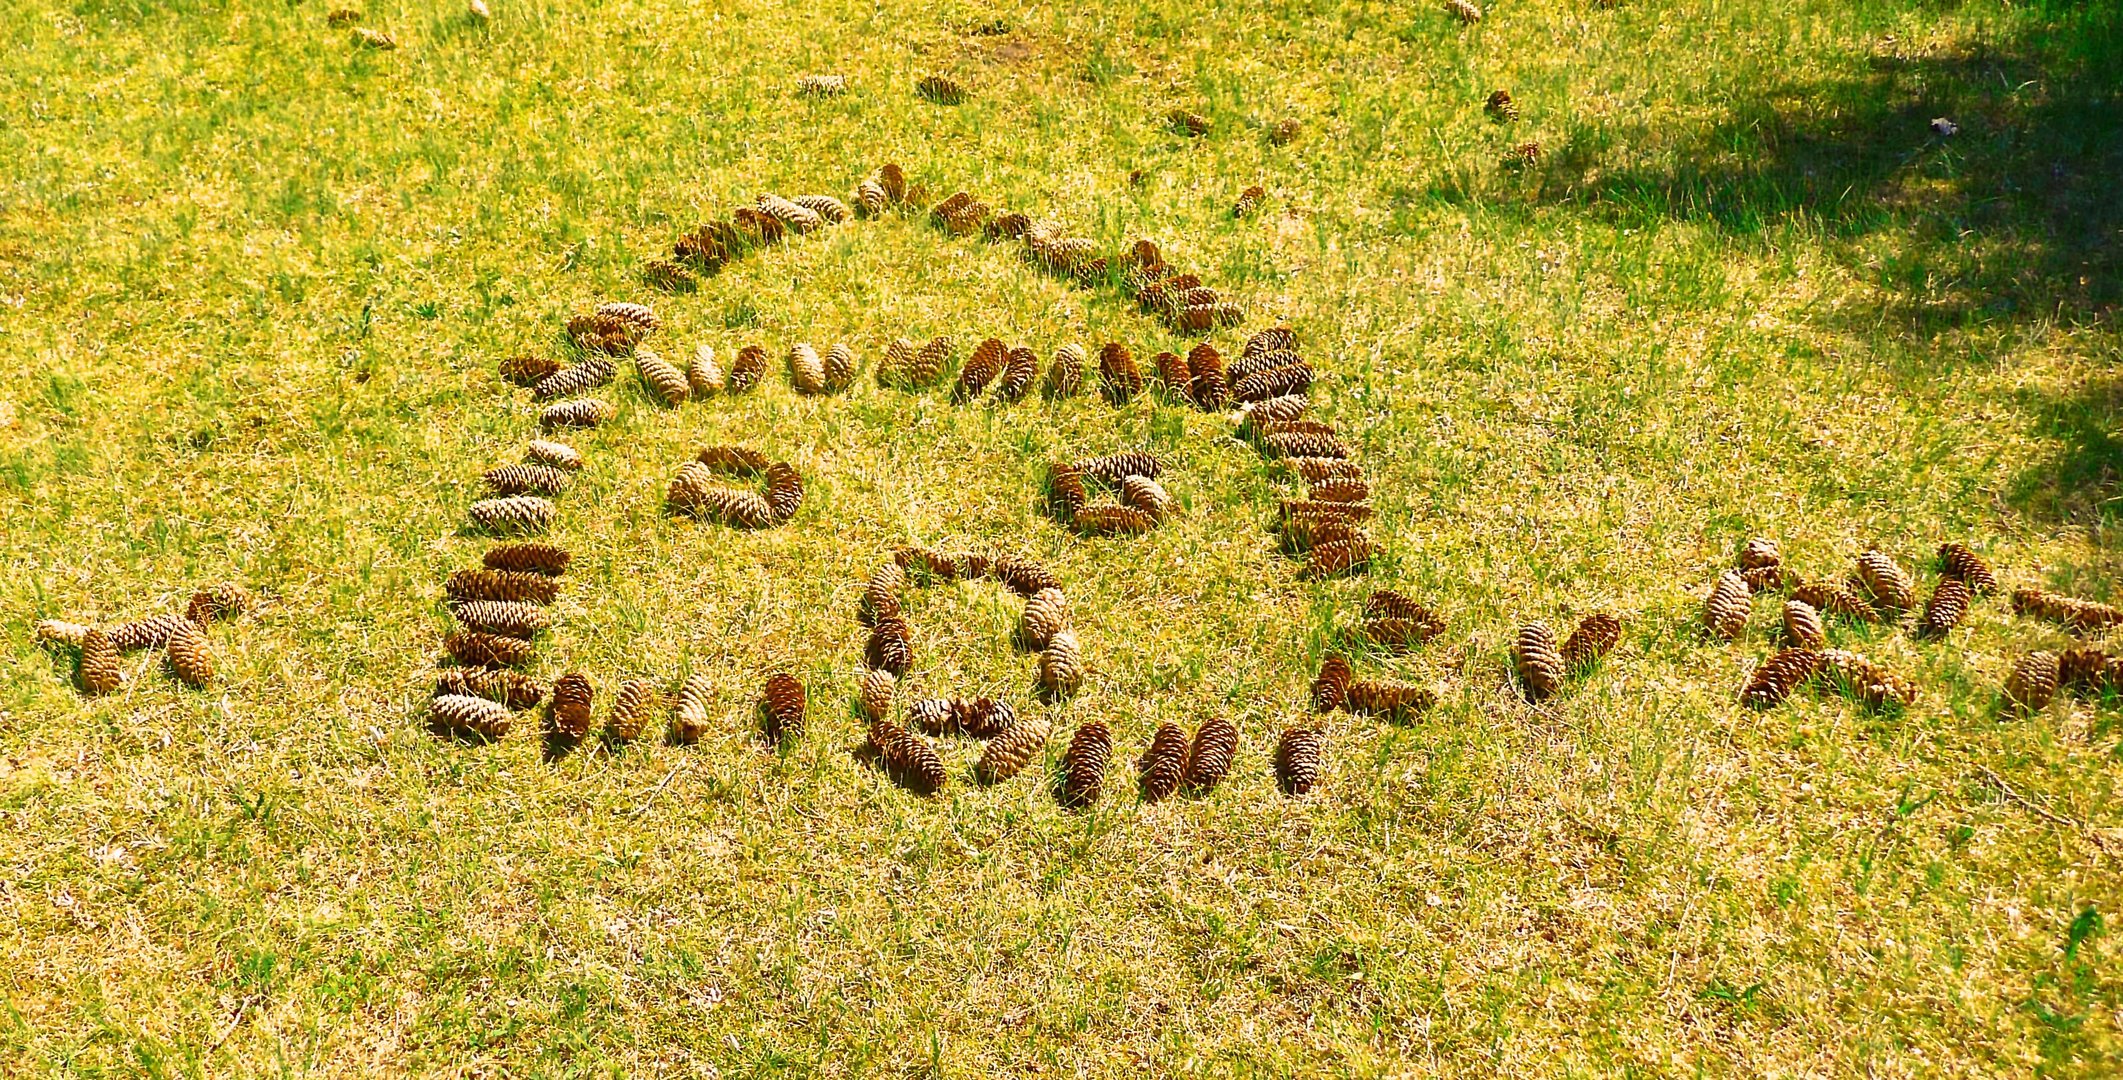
[(1305, 445), (2082, 671), (981, 369), (1330, 688), (1024, 577), (1297, 759), (554, 455), (1829, 598), (509, 585), (606, 334), (190, 655), (217, 602), (1463, 10), (821, 85), (1870, 683), (934, 716), (1305, 532), (1164, 765), (1501, 108), (514, 514), (1540, 666), (463, 712), (1209, 759), (1960, 561), (594, 371), (1206, 382), (633, 704), (1065, 377), (526, 480), (1889, 586), (1760, 552), (940, 90), (1188, 123), (1061, 666), (2067, 611), (840, 367), (897, 368), (99, 670), (878, 688), (1594, 637), (529, 558), (488, 650), (1113, 520), (746, 371), (152, 632), (907, 757), (1943, 612), (1249, 200), (828, 208), (1398, 634), (60, 632), (1046, 614), (1148, 496), (1019, 373), (1008, 753), (525, 370), (927, 561), (569, 714), (1803, 626), (784, 490), (870, 197), (1275, 382), (798, 218), (502, 617), (890, 648), (1339, 489), (1280, 409), (744, 509), (664, 381), (807, 370), (1084, 764), (1118, 377), (927, 367), (1066, 493), (513, 689), (703, 375), (1388, 604), (960, 215), (1725, 613), (2032, 683), (982, 718), (1388, 699), (670, 276), (1115, 468), (1779, 675), (576, 413), (1273, 339), (639, 316), (1172, 373), (1338, 557), (783, 703), (881, 594)]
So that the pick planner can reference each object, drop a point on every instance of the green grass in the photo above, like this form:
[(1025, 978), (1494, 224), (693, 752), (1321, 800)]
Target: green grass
[(254, 282)]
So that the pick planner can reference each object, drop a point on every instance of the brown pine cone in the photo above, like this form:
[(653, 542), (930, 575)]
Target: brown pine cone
[(1297, 759), (1315, 470), (1009, 753), (1337, 558), (891, 647), (960, 215), (1886, 583), (1829, 598), (981, 369), (503, 617), (1253, 364), (1763, 578), (576, 413), (1803, 626), (784, 490), (1958, 560), (1061, 667), (569, 715), (1018, 376), (934, 716), (1276, 382), (1501, 108), (1273, 339), (669, 276), (757, 228), (927, 367), (1187, 123), (1595, 636), (1725, 613), (1207, 385), (1304, 533), (99, 671), (907, 757), (1294, 427), (525, 370), (217, 602), (513, 689), (840, 367), (1173, 375), (1084, 765), (732, 460), (1760, 552), (1463, 10), (830, 209), (1388, 604), (798, 218), (870, 196), (2082, 671), (1868, 682), (603, 334), (1275, 410), (1164, 765), (1115, 468), (1779, 675), (783, 703), (1297, 444), (632, 706), (552, 454), (1113, 520), (982, 718), (807, 371), (152, 632), (893, 181), (1400, 635), (488, 650), (664, 382), (526, 480), (897, 368), (2069, 612), (515, 586), (639, 316), (1065, 491), (746, 371), (878, 688), (881, 594), (60, 632), (478, 715), (1284, 132), (1540, 666), (2032, 683), (1330, 689), (594, 371), (1249, 200), (689, 710), (1118, 377), (940, 90), (920, 560), (190, 655), (1046, 614), (1023, 576), (1009, 226), (1148, 496), (529, 558), (514, 514), (1065, 377), (1388, 699), (1209, 759), (703, 375), (1339, 489), (1943, 612), (744, 509)]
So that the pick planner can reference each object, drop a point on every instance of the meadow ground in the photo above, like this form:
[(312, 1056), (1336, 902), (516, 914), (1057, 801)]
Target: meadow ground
[(255, 280)]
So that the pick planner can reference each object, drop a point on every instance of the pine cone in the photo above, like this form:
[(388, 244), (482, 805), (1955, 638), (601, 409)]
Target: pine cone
[(928, 364), (1297, 759), (554, 455), (1061, 667), (1276, 409), (799, 219), (1148, 496), (1115, 468), (890, 647), (1319, 470), (514, 514), (746, 371), (1889, 585), (2069, 612), (940, 90), (982, 718), (1209, 759), (1284, 132), (1193, 318), (217, 602), (1763, 578), (1172, 372), (1943, 612), (1113, 520), (897, 369), (703, 375), (503, 617), (59, 632), (1012, 750), (732, 460), (639, 316), (1009, 226), (1164, 765), (1387, 699), (1463, 11), (342, 17), (2032, 683), (488, 650), (1275, 382), (478, 715), (1401, 634), (1066, 376), (665, 382), (894, 182), (1595, 636), (1306, 532), (908, 758), (921, 560), (524, 370), (828, 208), (1829, 598), (1339, 489), (152, 632), (1023, 576), (527, 480), (757, 228), (870, 197), (1779, 675), (821, 85), (1046, 614), (594, 371), (1725, 613), (807, 372), (1960, 561), (1540, 667), (374, 39), (1207, 385), (1865, 680), (1294, 427), (529, 558), (986, 363), (784, 490), (569, 715), (606, 334), (1501, 108), (99, 672), (1249, 200), (960, 215), (513, 689), (1760, 552), (934, 716), (1066, 493), (1118, 377), (744, 509), (632, 706), (190, 656), (1193, 125), (2083, 671), (878, 687), (669, 276), (783, 703), (1803, 626), (514, 586), (578, 413), (1018, 376), (1337, 558), (840, 368), (1084, 765), (1330, 689), (880, 598), (1273, 339), (1299, 444)]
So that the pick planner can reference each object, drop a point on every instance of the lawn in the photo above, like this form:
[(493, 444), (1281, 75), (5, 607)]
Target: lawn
[(257, 279)]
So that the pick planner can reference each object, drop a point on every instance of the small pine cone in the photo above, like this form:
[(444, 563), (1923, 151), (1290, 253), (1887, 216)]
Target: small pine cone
[(1725, 613), (1275, 382), (807, 371), (2032, 683), (190, 655), (703, 375), (1595, 636), (981, 369), (1337, 558), (217, 602), (1273, 339), (99, 671), (1888, 584), (529, 558), (1118, 377), (821, 85), (907, 757), (1046, 614), (1388, 699), (1330, 689), (1760, 552), (509, 585), (59, 632), (1164, 765), (746, 371), (1115, 468), (870, 197), (1018, 375), (1295, 427), (595, 370), (577, 413), (1209, 759), (1113, 520), (1301, 444), (2080, 670), (1061, 666), (921, 560), (1187, 123), (1023, 576), (798, 218), (898, 366), (840, 367), (462, 712), (1960, 561), (982, 718), (1148, 496), (784, 490), (1943, 612), (960, 215), (1464, 11), (1275, 410), (1540, 667), (1779, 675), (890, 648), (602, 334), (928, 364), (757, 228), (1399, 635), (1207, 384), (513, 689), (934, 716), (488, 650), (1066, 493), (1763, 578), (732, 460), (1829, 598), (1249, 200), (670, 276), (527, 480), (1501, 108), (553, 455), (152, 632), (664, 381), (1297, 759), (569, 714), (893, 180), (1284, 132), (783, 703), (1803, 626), (502, 617), (1306, 532), (688, 711), (1339, 489), (1009, 753), (2071, 612), (880, 595), (632, 706), (1009, 226), (831, 210), (1084, 764), (1868, 682), (1065, 377), (639, 316), (878, 687), (940, 90), (744, 509), (1195, 318), (1172, 373), (526, 370), (1319, 470), (374, 39), (514, 514)]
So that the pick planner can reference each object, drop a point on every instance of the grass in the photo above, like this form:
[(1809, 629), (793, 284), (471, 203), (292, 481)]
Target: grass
[(256, 280)]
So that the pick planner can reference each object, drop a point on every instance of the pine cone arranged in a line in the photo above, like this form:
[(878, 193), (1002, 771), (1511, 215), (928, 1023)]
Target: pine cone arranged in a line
[(1148, 496), (1118, 377), (606, 334), (1304, 445), (960, 215), (61, 632), (1539, 665), (1294, 427), (99, 670), (880, 595), (828, 208), (1066, 493), (981, 369), (907, 757), (594, 371), (342, 17), (1335, 558), (526, 370), (1314, 470), (633, 704), (757, 227), (478, 715), (488, 650), (527, 480), (982, 718), (503, 617), (1387, 699), (878, 688), (1868, 682), (1115, 468), (552, 454), (1943, 612), (744, 509), (1065, 377), (1046, 614), (1008, 753), (746, 371), (1009, 226), (1779, 675), (807, 370), (1347, 489), (1297, 759), (1019, 373), (1206, 383), (1188, 123), (1501, 108), (2082, 671), (664, 381), (1803, 626), (529, 558), (217, 602), (639, 316), (509, 585), (894, 182), (940, 90), (1275, 382), (1398, 634), (1277, 410), (1464, 11), (1061, 666), (669, 275), (783, 703), (784, 490), (1273, 339), (703, 375), (870, 198), (2032, 683), (514, 514), (732, 460), (1829, 598), (1888, 585), (569, 714), (152, 632), (840, 367), (1172, 373), (1725, 613), (921, 560), (2069, 612), (1209, 759), (1024, 577), (821, 85), (798, 218), (1164, 765), (1284, 132), (897, 369), (1308, 532), (1759, 552), (1113, 520), (576, 413), (934, 716), (374, 39), (1958, 560), (1330, 689), (890, 648), (1084, 765), (1594, 637), (928, 364), (513, 689), (1249, 200)]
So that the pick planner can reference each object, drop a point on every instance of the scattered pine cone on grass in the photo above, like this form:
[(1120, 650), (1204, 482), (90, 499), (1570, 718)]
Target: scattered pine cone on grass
[(940, 90), (1338, 557), (1501, 108), (1164, 765), (732, 460), (784, 490), (881, 594), (217, 602), (554, 455), (907, 757), (1046, 614), (807, 370), (1009, 753), (878, 688), (1305, 445), (1115, 468), (1148, 496), (1463, 10), (514, 514), (1888, 585), (829, 209), (488, 650), (1024, 577), (61, 632), (1118, 377), (703, 375), (504, 617), (1206, 383), (840, 368), (1297, 759), (1061, 667), (1829, 598), (1943, 612), (2070, 612), (639, 316), (1065, 377), (927, 366), (783, 704), (1084, 765), (798, 218), (1803, 626), (529, 558), (1209, 759), (1339, 489), (577, 413), (1388, 700), (602, 334), (665, 382), (821, 85), (669, 275), (1249, 200), (1113, 520), (1539, 665), (632, 706), (980, 369), (1779, 675), (746, 371), (934, 716), (477, 715), (1275, 382), (1330, 688), (744, 509), (99, 672), (1279, 409), (1019, 373), (594, 371), (1273, 339), (1595, 636), (374, 39), (526, 370), (1725, 613), (2082, 671), (1960, 561), (982, 718), (527, 480), (509, 585), (890, 647), (513, 689), (960, 215), (1172, 373), (2032, 683), (152, 632), (1870, 683), (190, 656), (569, 713), (1193, 125)]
